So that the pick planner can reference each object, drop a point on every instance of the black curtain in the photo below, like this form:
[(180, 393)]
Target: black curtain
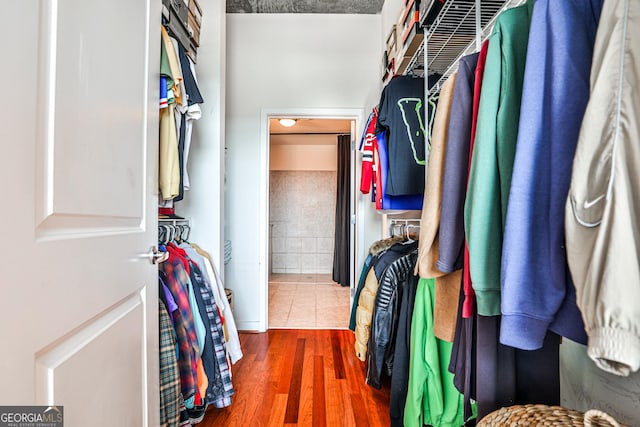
[(342, 239)]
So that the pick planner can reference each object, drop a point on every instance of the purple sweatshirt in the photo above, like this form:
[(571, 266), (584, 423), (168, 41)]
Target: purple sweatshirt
[(537, 291)]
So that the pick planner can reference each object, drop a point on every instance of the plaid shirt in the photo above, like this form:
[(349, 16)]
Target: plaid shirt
[(176, 279), (221, 388), (169, 378)]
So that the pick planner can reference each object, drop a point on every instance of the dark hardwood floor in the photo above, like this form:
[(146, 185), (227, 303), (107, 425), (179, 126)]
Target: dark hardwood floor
[(301, 378)]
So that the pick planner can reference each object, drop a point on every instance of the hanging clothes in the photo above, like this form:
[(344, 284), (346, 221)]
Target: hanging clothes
[(402, 352), (508, 376), (432, 398), (603, 205), (231, 331), (385, 201), (366, 298), (169, 377), (220, 388), (463, 363), (464, 350), (503, 374), (179, 254), (189, 112), (169, 166), (494, 151), (455, 176), (174, 275), (203, 362), (539, 293), (400, 112), (367, 149), (194, 113), (447, 285), (174, 66), (393, 281), (183, 101), (469, 304), (359, 287)]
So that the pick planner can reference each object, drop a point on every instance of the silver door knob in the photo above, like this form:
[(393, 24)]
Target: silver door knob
[(155, 256)]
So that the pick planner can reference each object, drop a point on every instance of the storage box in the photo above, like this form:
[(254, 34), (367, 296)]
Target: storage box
[(410, 17), (410, 37), (392, 43), (406, 12), (194, 29), (196, 11), (429, 10), (409, 51), (194, 22), (179, 8)]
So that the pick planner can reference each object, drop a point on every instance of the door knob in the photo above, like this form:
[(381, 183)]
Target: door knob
[(155, 256)]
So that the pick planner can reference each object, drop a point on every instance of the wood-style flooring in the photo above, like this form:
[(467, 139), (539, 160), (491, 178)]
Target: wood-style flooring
[(301, 378)]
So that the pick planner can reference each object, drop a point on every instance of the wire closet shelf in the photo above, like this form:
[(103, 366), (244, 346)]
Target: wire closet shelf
[(458, 30)]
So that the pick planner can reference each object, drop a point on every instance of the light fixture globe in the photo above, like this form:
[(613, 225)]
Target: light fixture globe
[(287, 122)]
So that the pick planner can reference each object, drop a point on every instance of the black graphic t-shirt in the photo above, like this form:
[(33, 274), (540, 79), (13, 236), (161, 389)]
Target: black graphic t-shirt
[(401, 114)]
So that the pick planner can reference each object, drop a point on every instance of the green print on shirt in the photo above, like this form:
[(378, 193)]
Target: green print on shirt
[(407, 114)]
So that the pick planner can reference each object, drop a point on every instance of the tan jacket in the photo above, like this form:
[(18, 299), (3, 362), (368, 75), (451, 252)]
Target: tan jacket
[(447, 287), (364, 314), (366, 301), (602, 216)]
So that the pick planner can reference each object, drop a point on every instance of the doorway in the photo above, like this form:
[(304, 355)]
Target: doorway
[(301, 178)]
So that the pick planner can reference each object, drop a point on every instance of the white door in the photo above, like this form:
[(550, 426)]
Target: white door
[(78, 132)]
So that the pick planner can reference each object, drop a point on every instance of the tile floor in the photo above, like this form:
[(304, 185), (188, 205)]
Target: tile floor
[(307, 301)]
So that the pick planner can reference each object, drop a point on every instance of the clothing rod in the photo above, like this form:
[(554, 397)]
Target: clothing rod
[(403, 220), (174, 221)]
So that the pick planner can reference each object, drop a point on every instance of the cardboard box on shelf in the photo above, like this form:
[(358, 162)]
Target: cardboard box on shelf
[(392, 42), (411, 35), (196, 11), (194, 29)]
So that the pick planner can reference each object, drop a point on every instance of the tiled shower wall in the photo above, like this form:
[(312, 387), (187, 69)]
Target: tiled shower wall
[(302, 217)]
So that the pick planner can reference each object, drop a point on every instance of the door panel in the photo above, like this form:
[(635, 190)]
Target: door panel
[(83, 350), (92, 103), (78, 178)]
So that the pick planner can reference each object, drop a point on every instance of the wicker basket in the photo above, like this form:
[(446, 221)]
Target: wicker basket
[(543, 415)]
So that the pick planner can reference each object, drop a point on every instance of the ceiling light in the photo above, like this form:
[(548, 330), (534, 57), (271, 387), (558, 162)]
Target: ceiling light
[(287, 122)]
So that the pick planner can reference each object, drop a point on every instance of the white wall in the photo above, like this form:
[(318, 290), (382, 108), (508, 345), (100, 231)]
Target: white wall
[(204, 202), (289, 62), (366, 213), (303, 156)]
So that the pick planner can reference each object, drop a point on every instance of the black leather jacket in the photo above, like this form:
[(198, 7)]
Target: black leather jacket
[(385, 317)]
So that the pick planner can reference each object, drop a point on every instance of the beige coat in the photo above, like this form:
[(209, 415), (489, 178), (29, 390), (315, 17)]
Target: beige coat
[(602, 216), (447, 286), (366, 301)]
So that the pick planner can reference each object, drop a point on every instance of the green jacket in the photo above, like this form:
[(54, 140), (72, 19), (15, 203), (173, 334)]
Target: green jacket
[(432, 398), (494, 152)]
